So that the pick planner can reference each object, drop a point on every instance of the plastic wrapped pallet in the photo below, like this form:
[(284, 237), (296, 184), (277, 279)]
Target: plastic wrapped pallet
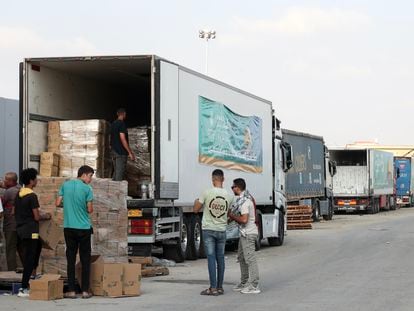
[(81, 142), (138, 172)]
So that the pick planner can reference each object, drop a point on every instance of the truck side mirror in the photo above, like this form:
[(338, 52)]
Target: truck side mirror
[(398, 172), (332, 168), (287, 156)]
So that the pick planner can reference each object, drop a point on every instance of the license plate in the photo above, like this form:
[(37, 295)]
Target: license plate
[(134, 213)]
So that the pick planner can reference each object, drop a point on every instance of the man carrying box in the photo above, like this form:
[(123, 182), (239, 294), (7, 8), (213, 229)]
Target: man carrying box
[(77, 197)]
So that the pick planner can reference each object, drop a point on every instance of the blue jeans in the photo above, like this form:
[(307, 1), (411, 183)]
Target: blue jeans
[(214, 245)]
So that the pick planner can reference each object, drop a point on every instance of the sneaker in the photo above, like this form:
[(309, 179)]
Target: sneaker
[(23, 292), (239, 287), (251, 290)]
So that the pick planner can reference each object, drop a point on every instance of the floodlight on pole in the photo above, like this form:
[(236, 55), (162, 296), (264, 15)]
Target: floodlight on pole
[(207, 35)]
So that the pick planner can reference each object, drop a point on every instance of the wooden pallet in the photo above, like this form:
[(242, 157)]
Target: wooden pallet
[(299, 217), (148, 269)]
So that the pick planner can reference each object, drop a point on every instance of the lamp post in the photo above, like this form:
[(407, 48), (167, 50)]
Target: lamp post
[(207, 35)]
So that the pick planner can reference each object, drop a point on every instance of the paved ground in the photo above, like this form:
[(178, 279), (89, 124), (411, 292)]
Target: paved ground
[(351, 263)]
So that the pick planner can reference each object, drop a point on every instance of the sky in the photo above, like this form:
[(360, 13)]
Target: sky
[(343, 70)]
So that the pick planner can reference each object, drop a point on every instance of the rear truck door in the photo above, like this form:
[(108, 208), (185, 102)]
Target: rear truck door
[(166, 133)]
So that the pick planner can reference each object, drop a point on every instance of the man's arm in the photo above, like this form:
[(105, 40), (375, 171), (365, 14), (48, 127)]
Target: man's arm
[(36, 214), (242, 219), (197, 206), (89, 206), (59, 200), (124, 142)]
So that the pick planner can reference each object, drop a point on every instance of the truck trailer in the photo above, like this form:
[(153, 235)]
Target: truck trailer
[(364, 180), (310, 180), (404, 181), (197, 124)]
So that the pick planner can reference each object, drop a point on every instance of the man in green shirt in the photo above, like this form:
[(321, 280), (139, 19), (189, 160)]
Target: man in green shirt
[(216, 202), (77, 197)]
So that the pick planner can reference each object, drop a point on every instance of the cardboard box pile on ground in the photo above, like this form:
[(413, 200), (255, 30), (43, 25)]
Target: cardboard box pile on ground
[(49, 164), (109, 219), (48, 287), (113, 279), (80, 142), (139, 171)]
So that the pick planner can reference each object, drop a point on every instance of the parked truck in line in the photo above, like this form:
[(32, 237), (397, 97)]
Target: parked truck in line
[(310, 180), (197, 124), (364, 180), (404, 184)]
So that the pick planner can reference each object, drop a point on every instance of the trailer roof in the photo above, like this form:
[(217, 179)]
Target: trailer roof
[(290, 132), (69, 64)]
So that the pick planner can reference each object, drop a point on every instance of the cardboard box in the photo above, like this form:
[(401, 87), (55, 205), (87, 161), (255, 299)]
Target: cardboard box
[(47, 170), (48, 287), (50, 233), (49, 158), (112, 279), (131, 285)]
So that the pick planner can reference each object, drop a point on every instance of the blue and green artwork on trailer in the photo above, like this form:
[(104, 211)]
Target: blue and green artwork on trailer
[(229, 140)]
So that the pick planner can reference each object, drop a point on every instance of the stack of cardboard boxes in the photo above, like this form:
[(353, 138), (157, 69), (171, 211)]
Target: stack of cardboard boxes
[(109, 220), (49, 164), (80, 142), (139, 171)]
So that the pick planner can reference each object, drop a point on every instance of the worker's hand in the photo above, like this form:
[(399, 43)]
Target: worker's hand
[(45, 216), (131, 156)]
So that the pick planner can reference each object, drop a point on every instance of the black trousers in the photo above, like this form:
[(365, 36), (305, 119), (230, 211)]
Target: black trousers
[(78, 240), (31, 249)]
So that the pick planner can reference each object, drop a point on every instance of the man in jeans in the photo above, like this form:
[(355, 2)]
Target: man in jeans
[(120, 149), (77, 199), (9, 222), (216, 202), (243, 212)]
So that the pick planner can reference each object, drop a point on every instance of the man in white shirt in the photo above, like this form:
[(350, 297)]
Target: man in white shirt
[(243, 212)]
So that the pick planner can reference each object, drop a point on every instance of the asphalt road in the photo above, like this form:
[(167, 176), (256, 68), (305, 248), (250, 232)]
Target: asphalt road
[(351, 263)]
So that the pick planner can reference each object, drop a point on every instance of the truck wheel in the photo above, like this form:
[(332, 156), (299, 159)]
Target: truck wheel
[(279, 240), (186, 237), (174, 252), (315, 210), (259, 229), (194, 239), (330, 215), (202, 253)]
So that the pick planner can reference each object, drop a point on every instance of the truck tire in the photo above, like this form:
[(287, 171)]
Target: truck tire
[(259, 228), (194, 239), (186, 237), (202, 252), (315, 210), (174, 251), (331, 211), (279, 240)]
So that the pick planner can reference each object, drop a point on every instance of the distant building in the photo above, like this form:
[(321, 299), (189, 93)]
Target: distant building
[(397, 150)]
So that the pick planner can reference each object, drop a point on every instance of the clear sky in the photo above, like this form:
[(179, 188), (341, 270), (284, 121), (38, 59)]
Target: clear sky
[(340, 69)]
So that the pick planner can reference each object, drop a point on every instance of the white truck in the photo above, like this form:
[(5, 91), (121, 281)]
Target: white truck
[(197, 124), (364, 180)]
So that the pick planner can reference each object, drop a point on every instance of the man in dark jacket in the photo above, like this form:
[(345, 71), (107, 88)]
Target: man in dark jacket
[(9, 222), (120, 149)]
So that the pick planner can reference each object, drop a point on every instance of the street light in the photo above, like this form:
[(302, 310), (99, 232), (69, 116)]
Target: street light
[(207, 35)]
